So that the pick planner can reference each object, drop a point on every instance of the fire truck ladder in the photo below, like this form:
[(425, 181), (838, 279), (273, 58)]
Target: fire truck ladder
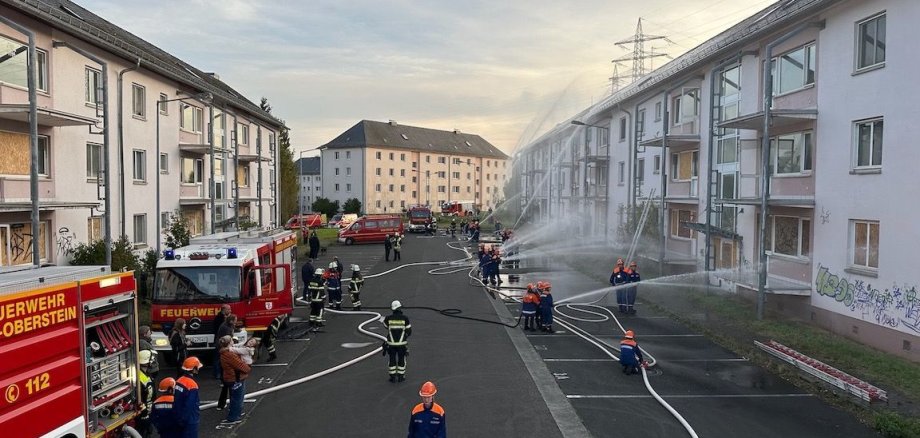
[(641, 225)]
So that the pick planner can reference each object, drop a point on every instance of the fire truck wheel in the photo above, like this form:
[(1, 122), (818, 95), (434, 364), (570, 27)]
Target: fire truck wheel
[(349, 241)]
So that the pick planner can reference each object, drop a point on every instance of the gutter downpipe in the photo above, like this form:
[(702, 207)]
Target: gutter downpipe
[(629, 169), (765, 157), (121, 147), (107, 223), (236, 167), (33, 134), (259, 185), (213, 184), (712, 135)]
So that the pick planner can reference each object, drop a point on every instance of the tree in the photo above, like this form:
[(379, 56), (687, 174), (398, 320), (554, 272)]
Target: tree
[(178, 233), (352, 205), (93, 253), (325, 206), (287, 171)]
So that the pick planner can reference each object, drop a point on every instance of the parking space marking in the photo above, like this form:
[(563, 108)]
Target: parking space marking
[(624, 396)]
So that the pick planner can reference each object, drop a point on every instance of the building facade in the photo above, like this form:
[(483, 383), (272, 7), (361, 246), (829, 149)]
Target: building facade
[(719, 139), (390, 167), (163, 147), (311, 183)]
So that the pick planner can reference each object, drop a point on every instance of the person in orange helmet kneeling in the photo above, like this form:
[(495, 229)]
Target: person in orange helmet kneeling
[(630, 354), (428, 419)]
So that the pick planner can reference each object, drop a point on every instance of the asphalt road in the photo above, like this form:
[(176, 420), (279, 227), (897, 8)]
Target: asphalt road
[(496, 381)]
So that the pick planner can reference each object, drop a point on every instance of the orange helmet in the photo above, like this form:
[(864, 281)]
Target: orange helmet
[(619, 261), (547, 285), (530, 286), (629, 334), (428, 390), (191, 363), (167, 384), (633, 265)]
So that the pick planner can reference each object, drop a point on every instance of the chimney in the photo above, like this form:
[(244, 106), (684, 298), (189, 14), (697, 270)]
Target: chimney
[(456, 131), (214, 75), (392, 122)]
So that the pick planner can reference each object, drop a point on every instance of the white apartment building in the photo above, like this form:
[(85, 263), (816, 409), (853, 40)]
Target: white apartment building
[(311, 183), (836, 247), (151, 172), (390, 167)]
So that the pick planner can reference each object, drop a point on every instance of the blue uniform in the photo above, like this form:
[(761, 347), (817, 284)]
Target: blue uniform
[(484, 261), (428, 422), (546, 311), (633, 276), (186, 405), (617, 278), (164, 417), (630, 356), (334, 286)]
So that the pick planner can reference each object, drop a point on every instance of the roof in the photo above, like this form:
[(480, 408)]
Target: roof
[(73, 19), (391, 135), (730, 41), (309, 165)]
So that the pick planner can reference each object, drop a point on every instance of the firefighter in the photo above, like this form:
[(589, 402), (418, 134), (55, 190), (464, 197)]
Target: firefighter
[(494, 276), (617, 278), (334, 287), (147, 393), (387, 246), (633, 274), (354, 287), (397, 247), (529, 307), (187, 398), (546, 308), (428, 419), (397, 344), (317, 287), (306, 273), (631, 354), (269, 336), (453, 228), (339, 268), (162, 413), (485, 265)]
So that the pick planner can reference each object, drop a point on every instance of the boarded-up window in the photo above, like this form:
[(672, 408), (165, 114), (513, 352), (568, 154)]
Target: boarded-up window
[(194, 219), (16, 244), (679, 221), (14, 153), (94, 228)]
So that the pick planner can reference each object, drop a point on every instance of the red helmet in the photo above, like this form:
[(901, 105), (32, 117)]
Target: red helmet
[(167, 384), (547, 285), (530, 286), (428, 390), (191, 363), (629, 334)]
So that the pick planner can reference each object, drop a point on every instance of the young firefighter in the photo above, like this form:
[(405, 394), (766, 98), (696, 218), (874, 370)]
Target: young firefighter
[(186, 398), (617, 278), (546, 308), (633, 274), (162, 414), (269, 336), (630, 354), (428, 419), (397, 344), (334, 287), (354, 287), (317, 287), (529, 307)]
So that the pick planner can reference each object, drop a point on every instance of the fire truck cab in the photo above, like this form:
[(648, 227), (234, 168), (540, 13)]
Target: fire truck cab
[(251, 271), (68, 349)]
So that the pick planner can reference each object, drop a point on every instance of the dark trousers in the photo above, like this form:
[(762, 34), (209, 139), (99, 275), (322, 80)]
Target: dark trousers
[(397, 255), (268, 341), (316, 313), (530, 321), (387, 250), (621, 299), (631, 299), (224, 393), (397, 359)]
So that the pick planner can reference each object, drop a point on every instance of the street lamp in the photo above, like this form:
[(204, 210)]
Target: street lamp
[(203, 97)]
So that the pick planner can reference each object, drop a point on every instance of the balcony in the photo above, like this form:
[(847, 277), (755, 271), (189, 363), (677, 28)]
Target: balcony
[(686, 192), (781, 118), (199, 149), (784, 193), (46, 117), (192, 194), (674, 141), (251, 158)]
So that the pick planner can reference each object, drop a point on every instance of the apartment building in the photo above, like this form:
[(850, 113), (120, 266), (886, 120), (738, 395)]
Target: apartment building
[(726, 145), (311, 183), (178, 139), (389, 167)]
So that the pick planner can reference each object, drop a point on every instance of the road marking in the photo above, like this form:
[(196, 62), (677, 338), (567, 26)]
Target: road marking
[(294, 340), (561, 376), (616, 396), (270, 365), (559, 335), (245, 400), (740, 359), (579, 360)]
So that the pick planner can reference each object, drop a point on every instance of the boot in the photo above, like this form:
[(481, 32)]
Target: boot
[(401, 378), (392, 378), (272, 356), (549, 329)]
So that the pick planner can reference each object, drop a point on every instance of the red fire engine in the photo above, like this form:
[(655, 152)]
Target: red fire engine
[(419, 216), (68, 349), (250, 270)]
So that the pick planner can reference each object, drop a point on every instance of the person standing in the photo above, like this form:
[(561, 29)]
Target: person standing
[(529, 305), (334, 287), (235, 374), (387, 246), (178, 343), (187, 398), (306, 273), (453, 228), (633, 275), (546, 308), (397, 344), (317, 287), (354, 287), (219, 321), (145, 343), (270, 335), (314, 245), (631, 354), (163, 414), (397, 247), (428, 419), (617, 278), (339, 267), (142, 422)]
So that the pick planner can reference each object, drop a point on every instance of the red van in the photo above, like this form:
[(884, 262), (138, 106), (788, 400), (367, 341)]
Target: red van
[(372, 228), (310, 220)]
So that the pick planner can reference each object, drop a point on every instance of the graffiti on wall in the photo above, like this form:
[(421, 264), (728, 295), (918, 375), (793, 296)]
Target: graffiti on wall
[(895, 307), (65, 240)]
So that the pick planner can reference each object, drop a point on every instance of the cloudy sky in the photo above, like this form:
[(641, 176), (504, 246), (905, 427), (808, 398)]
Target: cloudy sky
[(506, 70)]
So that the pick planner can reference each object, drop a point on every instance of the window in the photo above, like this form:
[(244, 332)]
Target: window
[(414, 179), (640, 171), (192, 170), (347, 155), (621, 172), (686, 106), (427, 158), (392, 173), (402, 157), (868, 151), (336, 155), (796, 70), (140, 165), (442, 189), (870, 42), (391, 187), (402, 172), (488, 176), (246, 176), (192, 118), (657, 168), (93, 82), (442, 174), (684, 165), (391, 156), (864, 237), (791, 154), (728, 149), (336, 186), (379, 154), (348, 187), (242, 136), (140, 229), (164, 219), (679, 221), (789, 236), (377, 187), (378, 203), (456, 189), (336, 170), (442, 160), (640, 124), (456, 175), (164, 163), (93, 160), (658, 111), (14, 68), (402, 188), (622, 128), (347, 171), (377, 171), (138, 101)]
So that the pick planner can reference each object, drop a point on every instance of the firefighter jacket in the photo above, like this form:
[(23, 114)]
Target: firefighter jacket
[(618, 277), (428, 422), (147, 393), (530, 303), (356, 283), (398, 329), (317, 289), (186, 400), (334, 283), (275, 326), (164, 417), (630, 354), (633, 275)]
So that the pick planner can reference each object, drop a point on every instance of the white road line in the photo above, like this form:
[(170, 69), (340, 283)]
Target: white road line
[(579, 360), (537, 335), (602, 396), (270, 365), (739, 359)]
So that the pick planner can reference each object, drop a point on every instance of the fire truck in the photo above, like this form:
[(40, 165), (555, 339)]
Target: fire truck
[(419, 215), (249, 270), (458, 208), (68, 349)]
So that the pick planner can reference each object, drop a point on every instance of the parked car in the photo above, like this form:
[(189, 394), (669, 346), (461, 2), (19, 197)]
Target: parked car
[(371, 229), (342, 220)]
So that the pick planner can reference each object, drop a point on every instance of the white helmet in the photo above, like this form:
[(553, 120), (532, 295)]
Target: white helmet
[(355, 268), (332, 265), (395, 304), (318, 271)]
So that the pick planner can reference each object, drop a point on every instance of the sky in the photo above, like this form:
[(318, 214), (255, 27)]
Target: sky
[(506, 70)]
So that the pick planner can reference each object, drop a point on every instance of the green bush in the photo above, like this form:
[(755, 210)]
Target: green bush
[(178, 233), (93, 253)]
